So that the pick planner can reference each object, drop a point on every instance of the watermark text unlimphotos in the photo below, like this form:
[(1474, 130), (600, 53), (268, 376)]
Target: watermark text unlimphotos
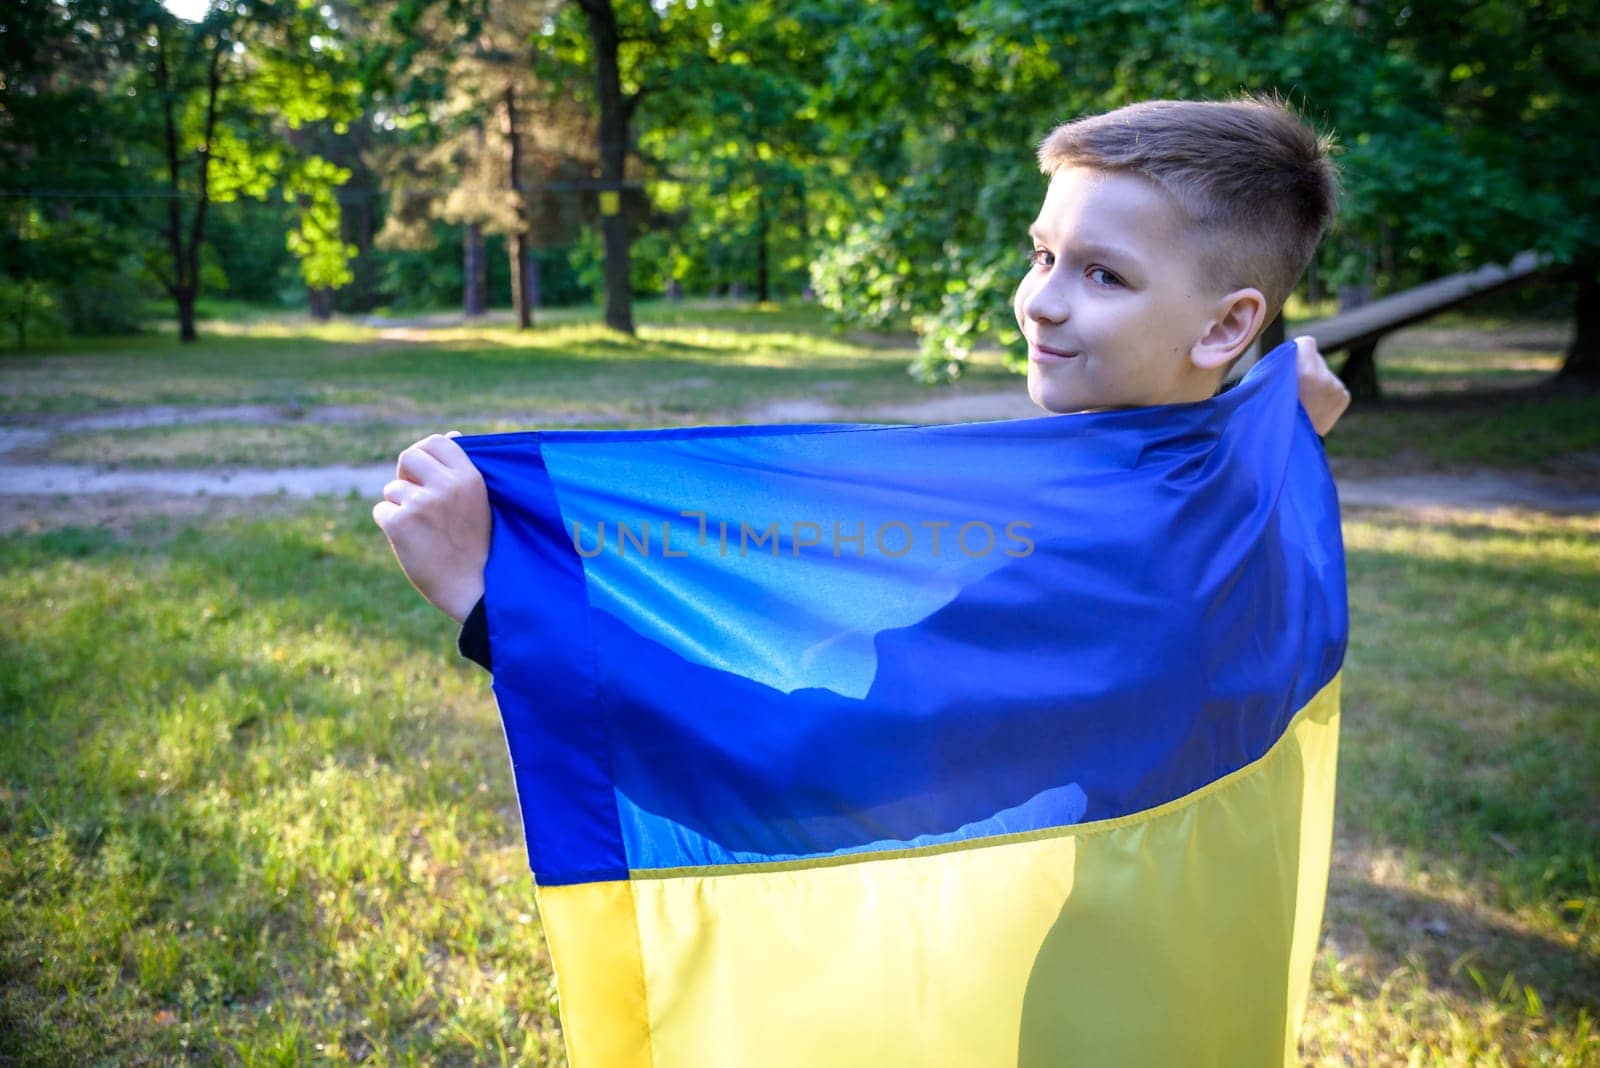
[(892, 538)]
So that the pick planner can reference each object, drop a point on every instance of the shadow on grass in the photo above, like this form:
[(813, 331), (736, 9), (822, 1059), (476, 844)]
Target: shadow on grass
[(1484, 393), (165, 697), (1466, 951), (1471, 756)]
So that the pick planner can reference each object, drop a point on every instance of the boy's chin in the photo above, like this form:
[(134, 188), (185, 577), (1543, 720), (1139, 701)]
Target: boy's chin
[(1053, 398)]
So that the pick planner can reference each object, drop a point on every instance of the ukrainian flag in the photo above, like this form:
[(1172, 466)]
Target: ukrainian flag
[(1003, 743)]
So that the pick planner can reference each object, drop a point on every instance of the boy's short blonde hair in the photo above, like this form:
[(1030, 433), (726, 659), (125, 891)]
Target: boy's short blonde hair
[(1253, 181)]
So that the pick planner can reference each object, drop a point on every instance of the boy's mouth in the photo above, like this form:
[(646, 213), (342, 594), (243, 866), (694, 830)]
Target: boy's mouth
[(1045, 354)]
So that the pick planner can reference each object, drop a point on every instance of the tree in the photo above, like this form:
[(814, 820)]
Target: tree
[(1467, 134), (616, 113), (732, 153), (1583, 355), (69, 205), (195, 108), (490, 130)]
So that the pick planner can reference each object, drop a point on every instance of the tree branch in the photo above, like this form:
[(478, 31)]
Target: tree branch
[(213, 89)]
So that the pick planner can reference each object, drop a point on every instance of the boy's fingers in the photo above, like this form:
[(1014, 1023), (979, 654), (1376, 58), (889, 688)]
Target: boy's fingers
[(382, 512), (400, 491), (417, 464), (452, 433), (443, 449), (1305, 349)]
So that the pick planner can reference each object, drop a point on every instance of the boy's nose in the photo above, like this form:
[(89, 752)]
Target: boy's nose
[(1048, 300)]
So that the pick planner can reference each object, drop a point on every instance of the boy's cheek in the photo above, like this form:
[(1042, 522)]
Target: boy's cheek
[(1019, 297)]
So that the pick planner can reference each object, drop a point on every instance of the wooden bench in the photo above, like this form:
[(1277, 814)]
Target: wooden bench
[(1359, 330)]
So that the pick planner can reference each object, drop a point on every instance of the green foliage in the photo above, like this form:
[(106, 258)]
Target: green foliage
[(430, 277), (142, 123), (880, 153), (26, 305), (323, 254), (733, 133), (77, 265), (252, 256), (74, 256), (1462, 129)]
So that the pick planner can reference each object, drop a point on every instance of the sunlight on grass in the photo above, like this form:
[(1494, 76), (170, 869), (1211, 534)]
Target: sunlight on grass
[(1422, 362), (727, 360), (1558, 433), (356, 394), (250, 800)]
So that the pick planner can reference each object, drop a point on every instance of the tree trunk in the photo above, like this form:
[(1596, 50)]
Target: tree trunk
[(472, 269), (614, 115), (185, 298), (320, 299), (1360, 373), (517, 239), (517, 249), (365, 297), (763, 274), (1583, 356)]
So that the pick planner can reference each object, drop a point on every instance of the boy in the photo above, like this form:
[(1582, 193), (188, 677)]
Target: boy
[(1170, 236), (1069, 806)]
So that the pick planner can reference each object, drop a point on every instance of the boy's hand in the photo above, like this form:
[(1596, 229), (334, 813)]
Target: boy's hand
[(436, 517), (1322, 395)]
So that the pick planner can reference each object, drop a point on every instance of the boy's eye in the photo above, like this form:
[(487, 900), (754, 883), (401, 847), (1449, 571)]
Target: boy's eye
[(1101, 276), (1041, 257)]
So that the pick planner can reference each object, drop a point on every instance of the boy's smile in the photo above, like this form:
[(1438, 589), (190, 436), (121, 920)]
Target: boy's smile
[(1113, 304)]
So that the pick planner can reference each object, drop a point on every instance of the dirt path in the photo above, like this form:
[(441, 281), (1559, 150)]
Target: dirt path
[(1470, 491), (63, 483)]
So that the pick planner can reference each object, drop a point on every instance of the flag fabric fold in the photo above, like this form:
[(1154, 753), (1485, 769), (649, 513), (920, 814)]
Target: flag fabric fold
[(971, 744)]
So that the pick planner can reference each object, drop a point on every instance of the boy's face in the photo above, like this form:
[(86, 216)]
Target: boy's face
[(1113, 305)]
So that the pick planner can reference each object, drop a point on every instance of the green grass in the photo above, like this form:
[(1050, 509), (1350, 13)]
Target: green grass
[(253, 811), (710, 360), (1541, 430), (1463, 924), (1449, 406), (289, 444), (690, 362)]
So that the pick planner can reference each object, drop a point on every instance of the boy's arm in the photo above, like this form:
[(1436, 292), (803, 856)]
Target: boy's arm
[(1323, 396), (473, 641), (436, 516), (436, 511)]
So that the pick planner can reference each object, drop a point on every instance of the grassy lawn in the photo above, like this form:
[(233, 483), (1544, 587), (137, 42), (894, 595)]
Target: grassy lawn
[(253, 810), (1463, 924), (685, 359), (350, 393), (1448, 405)]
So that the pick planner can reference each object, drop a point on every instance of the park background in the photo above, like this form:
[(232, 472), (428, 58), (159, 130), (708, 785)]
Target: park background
[(252, 808)]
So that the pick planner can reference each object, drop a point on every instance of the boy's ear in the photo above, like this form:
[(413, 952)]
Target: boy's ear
[(1239, 316)]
